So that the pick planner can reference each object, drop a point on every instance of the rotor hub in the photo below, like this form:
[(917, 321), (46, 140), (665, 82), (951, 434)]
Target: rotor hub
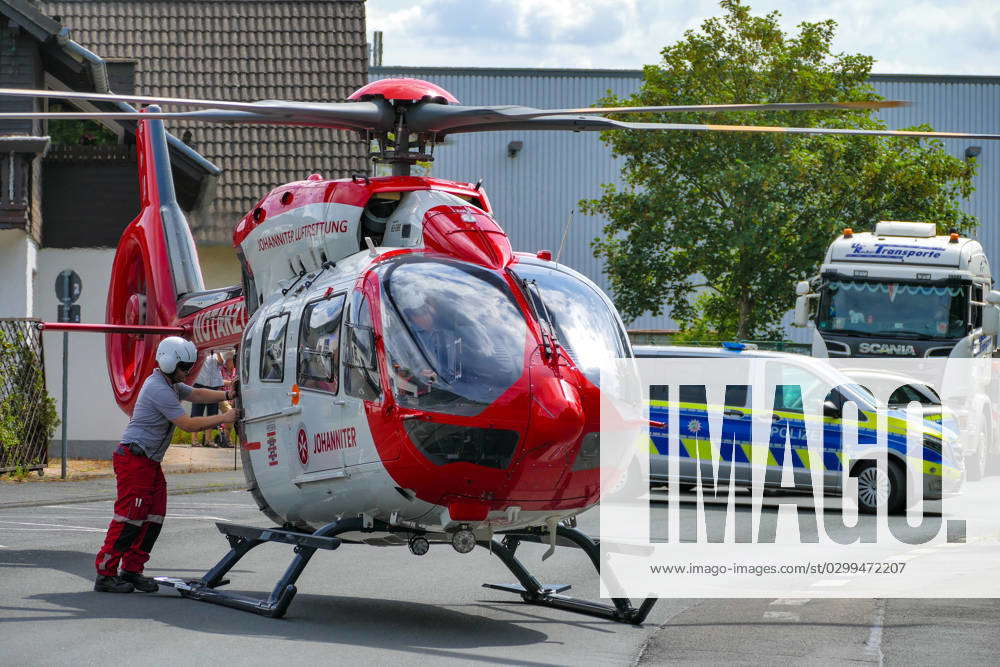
[(403, 90)]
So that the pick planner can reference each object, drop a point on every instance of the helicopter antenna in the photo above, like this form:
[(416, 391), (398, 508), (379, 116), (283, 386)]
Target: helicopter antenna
[(569, 222)]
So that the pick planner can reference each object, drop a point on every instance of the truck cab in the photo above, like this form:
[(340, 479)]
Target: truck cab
[(902, 291)]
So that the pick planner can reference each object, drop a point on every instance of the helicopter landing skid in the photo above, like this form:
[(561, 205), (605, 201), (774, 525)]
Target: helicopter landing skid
[(533, 592), (244, 538)]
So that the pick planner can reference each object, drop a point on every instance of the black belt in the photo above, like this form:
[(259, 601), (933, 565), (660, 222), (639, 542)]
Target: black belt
[(132, 447)]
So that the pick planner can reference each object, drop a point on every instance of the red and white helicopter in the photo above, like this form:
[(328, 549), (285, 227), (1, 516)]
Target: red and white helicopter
[(406, 378)]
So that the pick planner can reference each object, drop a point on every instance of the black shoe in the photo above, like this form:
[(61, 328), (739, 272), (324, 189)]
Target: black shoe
[(141, 583), (109, 584)]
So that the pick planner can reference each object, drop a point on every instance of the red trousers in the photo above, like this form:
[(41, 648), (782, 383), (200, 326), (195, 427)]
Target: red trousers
[(139, 511)]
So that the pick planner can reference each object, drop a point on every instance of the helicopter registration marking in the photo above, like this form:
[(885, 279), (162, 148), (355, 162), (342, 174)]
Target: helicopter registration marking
[(272, 445)]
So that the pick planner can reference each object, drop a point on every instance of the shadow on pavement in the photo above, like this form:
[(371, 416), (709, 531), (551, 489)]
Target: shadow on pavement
[(434, 630)]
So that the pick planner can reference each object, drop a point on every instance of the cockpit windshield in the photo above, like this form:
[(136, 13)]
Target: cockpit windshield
[(454, 336), (584, 324)]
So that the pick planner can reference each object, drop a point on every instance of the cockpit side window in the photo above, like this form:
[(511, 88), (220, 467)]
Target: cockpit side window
[(272, 349), (319, 345), (361, 378)]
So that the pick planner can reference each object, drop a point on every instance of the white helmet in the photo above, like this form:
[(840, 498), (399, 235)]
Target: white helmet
[(174, 350)]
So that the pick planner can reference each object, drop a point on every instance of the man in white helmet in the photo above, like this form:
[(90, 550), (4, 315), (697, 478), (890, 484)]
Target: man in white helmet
[(142, 490)]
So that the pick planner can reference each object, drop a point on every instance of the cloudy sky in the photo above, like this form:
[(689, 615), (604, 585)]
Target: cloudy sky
[(914, 36)]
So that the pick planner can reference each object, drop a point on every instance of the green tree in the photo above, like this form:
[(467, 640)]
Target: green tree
[(718, 226)]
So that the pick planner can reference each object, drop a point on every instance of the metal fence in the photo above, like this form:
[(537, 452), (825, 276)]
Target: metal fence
[(27, 412)]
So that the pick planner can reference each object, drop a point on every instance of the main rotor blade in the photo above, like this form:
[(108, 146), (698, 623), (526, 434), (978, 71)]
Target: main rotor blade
[(584, 123), (207, 115), (449, 118), (776, 106), (351, 115)]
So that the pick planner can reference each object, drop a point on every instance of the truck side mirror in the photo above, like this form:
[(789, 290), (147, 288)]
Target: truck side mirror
[(801, 311), (802, 287), (991, 320), (993, 297)]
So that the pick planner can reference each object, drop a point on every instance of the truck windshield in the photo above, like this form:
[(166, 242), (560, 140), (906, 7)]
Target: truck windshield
[(893, 309), (454, 336)]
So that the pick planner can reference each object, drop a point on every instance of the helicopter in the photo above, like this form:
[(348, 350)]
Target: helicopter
[(405, 377)]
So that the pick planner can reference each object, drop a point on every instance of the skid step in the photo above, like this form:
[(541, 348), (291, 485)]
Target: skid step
[(279, 535)]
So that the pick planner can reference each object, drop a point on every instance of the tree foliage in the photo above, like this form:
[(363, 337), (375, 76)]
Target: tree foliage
[(737, 218)]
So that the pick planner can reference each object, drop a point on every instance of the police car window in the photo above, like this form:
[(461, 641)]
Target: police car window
[(272, 349), (793, 385), (319, 345), (693, 393), (788, 397), (737, 396), (908, 393)]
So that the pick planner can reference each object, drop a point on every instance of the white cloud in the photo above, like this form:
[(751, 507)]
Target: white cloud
[(929, 36)]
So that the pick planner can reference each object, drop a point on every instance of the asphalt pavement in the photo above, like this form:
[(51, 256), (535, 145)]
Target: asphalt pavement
[(187, 470), (373, 605), (93, 489)]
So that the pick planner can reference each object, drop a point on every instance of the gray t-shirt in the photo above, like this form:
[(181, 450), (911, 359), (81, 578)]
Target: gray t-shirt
[(210, 374), (159, 402)]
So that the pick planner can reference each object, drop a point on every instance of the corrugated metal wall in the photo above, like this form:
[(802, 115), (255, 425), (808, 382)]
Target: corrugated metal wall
[(535, 193)]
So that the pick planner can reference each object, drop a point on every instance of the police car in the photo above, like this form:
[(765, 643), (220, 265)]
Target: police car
[(939, 466)]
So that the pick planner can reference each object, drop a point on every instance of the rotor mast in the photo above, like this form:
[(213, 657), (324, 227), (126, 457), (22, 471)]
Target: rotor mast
[(400, 147)]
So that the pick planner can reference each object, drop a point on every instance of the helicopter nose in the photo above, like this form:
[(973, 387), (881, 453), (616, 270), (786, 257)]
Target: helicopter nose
[(557, 417)]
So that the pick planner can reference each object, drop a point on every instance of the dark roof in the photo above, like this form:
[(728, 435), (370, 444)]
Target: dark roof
[(225, 50)]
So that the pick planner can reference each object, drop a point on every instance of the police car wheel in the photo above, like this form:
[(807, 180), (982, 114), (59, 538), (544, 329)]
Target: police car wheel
[(877, 487)]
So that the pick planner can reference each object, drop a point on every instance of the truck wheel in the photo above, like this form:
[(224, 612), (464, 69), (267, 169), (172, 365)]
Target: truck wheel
[(975, 465), (992, 463), (877, 487)]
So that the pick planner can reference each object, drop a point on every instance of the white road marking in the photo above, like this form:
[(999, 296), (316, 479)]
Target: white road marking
[(789, 602), (71, 507), (781, 615), (873, 646), (52, 525), (202, 505), (49, 530), (832, 582), (77, 517)]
